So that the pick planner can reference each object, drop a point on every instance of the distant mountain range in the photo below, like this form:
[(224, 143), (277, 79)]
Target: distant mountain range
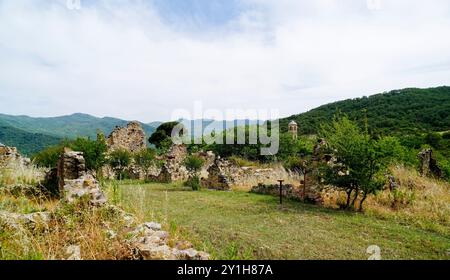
[(407, 111), (31, 135)]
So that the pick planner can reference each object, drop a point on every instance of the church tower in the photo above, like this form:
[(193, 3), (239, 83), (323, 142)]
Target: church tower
[(293, 129)]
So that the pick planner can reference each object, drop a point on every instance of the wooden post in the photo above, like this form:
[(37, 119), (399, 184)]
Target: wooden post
[(281, 191)]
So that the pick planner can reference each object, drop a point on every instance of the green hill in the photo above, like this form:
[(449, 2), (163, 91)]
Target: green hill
[(27, 143), (407, 111), (68, 126), (30, 135)]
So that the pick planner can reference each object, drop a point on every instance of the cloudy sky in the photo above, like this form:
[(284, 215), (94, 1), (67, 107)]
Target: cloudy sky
[(143, 59)]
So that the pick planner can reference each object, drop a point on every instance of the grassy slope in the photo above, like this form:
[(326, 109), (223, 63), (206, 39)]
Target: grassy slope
[(239, 225)]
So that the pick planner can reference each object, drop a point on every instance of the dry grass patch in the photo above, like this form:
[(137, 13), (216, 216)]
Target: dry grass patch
[(423, 202)]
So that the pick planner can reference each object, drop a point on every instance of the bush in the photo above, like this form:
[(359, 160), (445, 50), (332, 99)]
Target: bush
[(93, 152), (194, 164), (194, 183), (48, 157), (119, 160)]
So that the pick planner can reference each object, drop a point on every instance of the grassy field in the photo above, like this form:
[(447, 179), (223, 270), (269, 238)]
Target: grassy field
[(240, 225)]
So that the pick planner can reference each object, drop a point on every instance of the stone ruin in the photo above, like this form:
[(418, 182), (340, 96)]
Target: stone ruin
[(10, 155), (428, 165), (146, 241), (224, 175), (219, 177), (131, 138), (75, 182), (173, 168)]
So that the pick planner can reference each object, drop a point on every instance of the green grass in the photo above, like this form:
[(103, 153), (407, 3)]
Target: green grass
[(240, 225)]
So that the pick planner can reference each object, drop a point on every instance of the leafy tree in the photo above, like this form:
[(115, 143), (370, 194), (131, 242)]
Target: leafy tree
[(119, 160), (93, 151), (392, 151), (162, 135), (194, 164), (48, 157), (359, 167), (145, 159)]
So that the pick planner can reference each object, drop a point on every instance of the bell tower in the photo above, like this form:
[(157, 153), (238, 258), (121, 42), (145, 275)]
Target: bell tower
[(293, 129)]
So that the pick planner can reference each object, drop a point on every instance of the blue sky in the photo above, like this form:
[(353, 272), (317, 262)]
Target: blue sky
[(143, 59)]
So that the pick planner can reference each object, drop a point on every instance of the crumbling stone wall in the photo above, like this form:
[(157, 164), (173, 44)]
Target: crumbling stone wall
[(75, 182), (11, 155), (224, 175), (173, 169), (428, 165), (131, 138), (71, 166)]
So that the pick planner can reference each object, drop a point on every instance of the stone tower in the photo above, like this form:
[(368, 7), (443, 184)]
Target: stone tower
[(293, 129)]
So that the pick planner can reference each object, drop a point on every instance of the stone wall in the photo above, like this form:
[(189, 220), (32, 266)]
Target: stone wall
[(75, 182), (224, 175), (173, 169), (131, 138)]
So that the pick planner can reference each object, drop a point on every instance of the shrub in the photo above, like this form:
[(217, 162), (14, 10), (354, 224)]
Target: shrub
[(145, 159), (93, 152), (193, 164), (119, 160), (48, 157), (193, 182)]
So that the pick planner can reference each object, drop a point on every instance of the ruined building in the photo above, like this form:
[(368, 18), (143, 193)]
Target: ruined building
[(10, 155), (131, 138)]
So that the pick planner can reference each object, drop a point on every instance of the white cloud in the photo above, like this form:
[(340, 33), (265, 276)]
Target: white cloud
[(118, 58)]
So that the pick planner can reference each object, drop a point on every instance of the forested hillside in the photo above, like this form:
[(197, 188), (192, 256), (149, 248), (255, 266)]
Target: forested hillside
[(27, 143), (407, 111), (67, 126), (31, 135)]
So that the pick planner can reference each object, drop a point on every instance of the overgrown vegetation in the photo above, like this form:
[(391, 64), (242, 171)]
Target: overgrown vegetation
[(93, 152), (194, 164)]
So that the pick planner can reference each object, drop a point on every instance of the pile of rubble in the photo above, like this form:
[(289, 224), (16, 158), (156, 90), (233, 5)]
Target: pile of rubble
[(151, 243)]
